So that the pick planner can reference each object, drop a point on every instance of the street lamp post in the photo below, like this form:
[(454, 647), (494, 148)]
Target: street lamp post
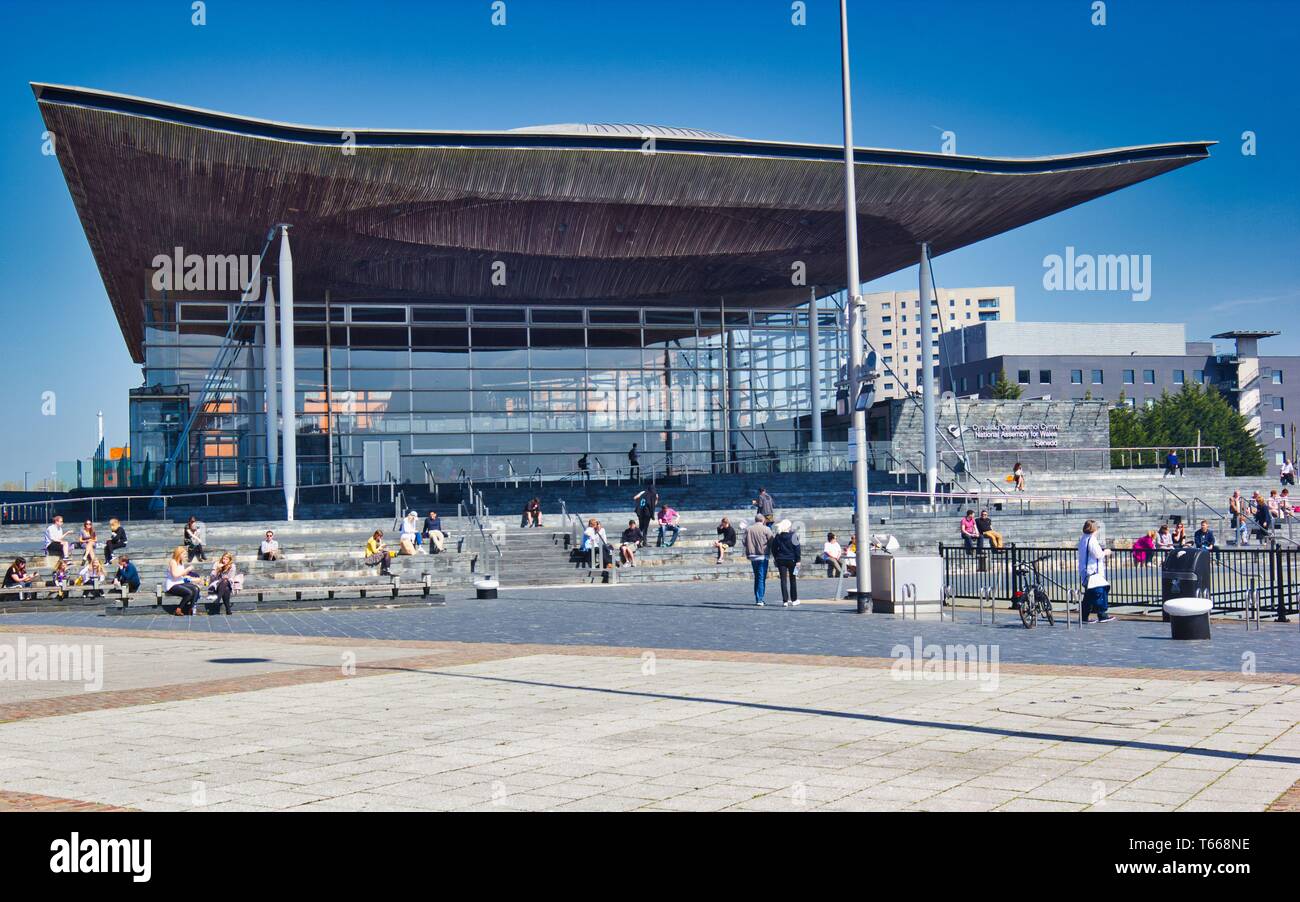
[(857, 312)]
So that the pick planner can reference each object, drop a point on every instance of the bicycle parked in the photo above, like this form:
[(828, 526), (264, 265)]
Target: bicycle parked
[(1029, 593)]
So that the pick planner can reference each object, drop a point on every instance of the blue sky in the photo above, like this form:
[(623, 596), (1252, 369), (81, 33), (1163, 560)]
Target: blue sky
[(1009, 77)]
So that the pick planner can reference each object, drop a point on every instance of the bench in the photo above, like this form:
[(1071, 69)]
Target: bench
[(290, 597), (55, 593)]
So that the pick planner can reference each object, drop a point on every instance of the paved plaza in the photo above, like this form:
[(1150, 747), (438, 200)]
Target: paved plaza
[(674, 698)]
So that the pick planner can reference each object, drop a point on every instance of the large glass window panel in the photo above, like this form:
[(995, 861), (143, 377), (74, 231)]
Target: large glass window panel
[(499, 443), (438, 314), (377, 379), (502, 400), (446, 359), (515, 358), (440, 380), (378, 337), (499, 422), (517, 378), (440, 401), (439, 337), (558, 358), (374, 358), (436, 422), (366, 314)]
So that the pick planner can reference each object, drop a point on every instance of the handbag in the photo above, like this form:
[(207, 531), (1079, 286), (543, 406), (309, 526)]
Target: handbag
[(1096, 581)]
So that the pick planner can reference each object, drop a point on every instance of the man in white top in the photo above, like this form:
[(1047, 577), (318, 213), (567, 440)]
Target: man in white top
[(1092, 574), (55, 546), (832, 551), (269, 550)]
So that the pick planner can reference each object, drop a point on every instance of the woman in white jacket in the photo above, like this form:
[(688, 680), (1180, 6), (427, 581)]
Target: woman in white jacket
[(1092, 575)]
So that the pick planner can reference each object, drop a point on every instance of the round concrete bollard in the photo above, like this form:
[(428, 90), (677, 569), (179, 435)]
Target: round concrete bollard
[(485, 588), (1189, 618)]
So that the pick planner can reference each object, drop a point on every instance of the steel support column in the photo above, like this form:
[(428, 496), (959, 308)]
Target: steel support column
[(925, 300), (857, 326), (272, 402), (287, 375)]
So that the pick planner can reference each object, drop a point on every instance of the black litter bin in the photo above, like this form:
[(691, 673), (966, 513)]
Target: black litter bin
[(1186, 574)]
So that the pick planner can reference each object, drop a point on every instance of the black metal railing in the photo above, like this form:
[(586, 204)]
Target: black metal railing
[(1271, 571)]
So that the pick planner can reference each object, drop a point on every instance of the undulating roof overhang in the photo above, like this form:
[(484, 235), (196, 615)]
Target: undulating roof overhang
[(592, 215)]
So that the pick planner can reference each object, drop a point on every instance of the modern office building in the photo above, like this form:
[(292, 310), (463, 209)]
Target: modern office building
[(488, 301), (895, 332), (1136, 360)]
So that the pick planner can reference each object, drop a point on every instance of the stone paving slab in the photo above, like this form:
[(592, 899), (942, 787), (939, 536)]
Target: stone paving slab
[(543, 728)]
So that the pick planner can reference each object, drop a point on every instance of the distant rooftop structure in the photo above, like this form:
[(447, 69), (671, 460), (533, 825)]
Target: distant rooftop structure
[(631, 130), (995, 339)]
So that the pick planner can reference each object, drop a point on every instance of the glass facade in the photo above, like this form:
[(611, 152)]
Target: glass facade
[(486, 389)]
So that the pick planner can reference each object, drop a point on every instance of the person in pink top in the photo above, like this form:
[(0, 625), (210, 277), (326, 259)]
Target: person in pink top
[(1143, 546), (668, 523), (969, 532)]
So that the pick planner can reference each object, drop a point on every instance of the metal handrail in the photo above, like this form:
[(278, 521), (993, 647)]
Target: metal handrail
[(1146, 505)]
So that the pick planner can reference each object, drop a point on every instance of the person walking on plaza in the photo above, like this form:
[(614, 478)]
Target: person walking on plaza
[(758, 545), (787, 554), (1204, 537), (269, 549), (222, 583), (984, 524), (644, 503), (1288, 471), (628, 543), (765, 505), (970, 534), (583, 470), (1018, 476), (377, 553), (193, 539), (633, 464), (116, 539), (726, 539), (668, 523), (1092, 575), (179, 583), (127, 575)]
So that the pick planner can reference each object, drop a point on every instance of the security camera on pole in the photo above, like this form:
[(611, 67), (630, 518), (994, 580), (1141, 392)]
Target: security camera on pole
[(856, 315)]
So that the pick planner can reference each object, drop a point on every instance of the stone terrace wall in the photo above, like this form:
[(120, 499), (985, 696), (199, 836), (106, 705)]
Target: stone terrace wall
[(1043, 435)]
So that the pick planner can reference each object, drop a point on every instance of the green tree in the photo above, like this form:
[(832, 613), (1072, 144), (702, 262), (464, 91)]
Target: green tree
[(1125, 432), (1004, 389), (1175, 420)]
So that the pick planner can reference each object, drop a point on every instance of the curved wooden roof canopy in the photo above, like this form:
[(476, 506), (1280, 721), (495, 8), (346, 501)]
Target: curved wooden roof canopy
[(578, 215)]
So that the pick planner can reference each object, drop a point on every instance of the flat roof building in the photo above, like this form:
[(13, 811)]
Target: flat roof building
[(1102, 361)]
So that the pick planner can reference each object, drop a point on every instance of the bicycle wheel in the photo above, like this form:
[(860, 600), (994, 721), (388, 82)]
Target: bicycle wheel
[(1027, 613), (1047, 613)]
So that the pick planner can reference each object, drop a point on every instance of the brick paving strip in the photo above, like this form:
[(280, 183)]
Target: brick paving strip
[(30, 801), (1288, 801)]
